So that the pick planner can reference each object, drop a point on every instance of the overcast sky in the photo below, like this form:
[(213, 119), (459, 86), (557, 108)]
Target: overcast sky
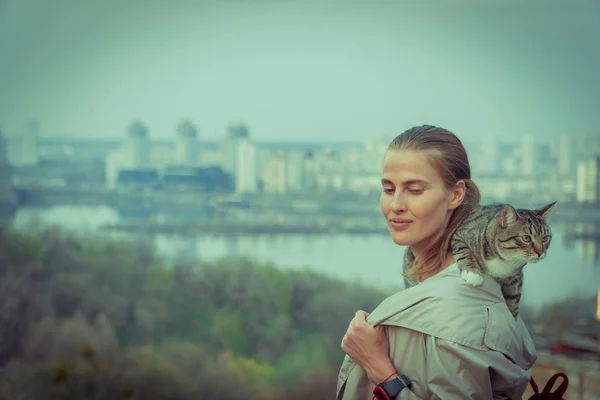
[(335, 70)]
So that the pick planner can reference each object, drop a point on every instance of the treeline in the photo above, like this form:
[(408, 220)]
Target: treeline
[(88, 317)]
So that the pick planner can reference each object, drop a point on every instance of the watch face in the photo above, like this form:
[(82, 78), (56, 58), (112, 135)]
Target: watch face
[(380, 393)]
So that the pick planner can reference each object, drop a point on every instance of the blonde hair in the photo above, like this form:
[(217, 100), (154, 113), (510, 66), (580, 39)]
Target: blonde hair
[(448, 156)]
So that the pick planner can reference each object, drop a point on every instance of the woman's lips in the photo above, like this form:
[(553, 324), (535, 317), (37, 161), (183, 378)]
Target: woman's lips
[(398, 224)]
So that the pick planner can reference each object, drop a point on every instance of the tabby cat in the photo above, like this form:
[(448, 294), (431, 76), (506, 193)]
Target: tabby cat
[(498, 240)]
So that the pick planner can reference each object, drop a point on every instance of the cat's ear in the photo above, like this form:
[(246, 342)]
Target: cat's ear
[(508, 216), (545, 211)]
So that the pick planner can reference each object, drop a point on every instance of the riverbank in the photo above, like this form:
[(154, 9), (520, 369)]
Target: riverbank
[(309, 225), (370, 258), (273, 226)]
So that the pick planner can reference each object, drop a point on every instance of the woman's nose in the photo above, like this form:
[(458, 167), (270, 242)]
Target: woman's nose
[(397, 203)]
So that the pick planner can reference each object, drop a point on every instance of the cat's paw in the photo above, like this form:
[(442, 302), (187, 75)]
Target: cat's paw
[(472, 278)]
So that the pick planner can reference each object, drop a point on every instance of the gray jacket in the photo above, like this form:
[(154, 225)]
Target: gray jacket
[(453, 340)]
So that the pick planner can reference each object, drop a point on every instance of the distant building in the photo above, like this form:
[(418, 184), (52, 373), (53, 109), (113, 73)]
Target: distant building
[(588, 181), (3, 149), (239, 158), (310, 171), (5, 167), (274, 173), (486, 160), (22, 149), (377, 145), (8, 197), (115, 161), (529, 155), (132, 155), (236, 133), (564, 155), (286, 171), (295, 173), (586, 145), (245, 169), (374, 151), (137, 145), (210, 179), (162, 155), (186, 144), (137, 178)]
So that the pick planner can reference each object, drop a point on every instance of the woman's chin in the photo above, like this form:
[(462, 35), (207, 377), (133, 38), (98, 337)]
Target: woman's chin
[(400, 239)]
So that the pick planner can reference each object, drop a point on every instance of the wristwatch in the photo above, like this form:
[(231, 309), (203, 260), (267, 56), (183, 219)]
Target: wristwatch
[(390, 389)]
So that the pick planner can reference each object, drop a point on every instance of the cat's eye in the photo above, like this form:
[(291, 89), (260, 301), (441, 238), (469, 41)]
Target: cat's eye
[(546, 239), (526, 238)]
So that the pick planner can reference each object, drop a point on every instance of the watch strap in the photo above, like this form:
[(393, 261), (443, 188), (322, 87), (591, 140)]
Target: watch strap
[(390, 389)]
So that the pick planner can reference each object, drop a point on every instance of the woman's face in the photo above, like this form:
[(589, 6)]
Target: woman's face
[(414, 200)]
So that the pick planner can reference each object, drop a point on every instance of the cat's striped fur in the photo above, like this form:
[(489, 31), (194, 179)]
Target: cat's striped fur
[(498, 240)]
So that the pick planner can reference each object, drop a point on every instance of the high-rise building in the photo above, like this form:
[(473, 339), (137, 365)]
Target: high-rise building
[(137, 145), (563, 153), (528, 155), (239, 158), (115, 160), (295, 173), (235, 134), (5, 167), (310, 171), (186, 144), (588, 181), (275, 173), (238, 131), (132, 155), (8, 197), (285, 171), (245, 167), (374, 152), (488, 161), (22, 149), (3, 149)]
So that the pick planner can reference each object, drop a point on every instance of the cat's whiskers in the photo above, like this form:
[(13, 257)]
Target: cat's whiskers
[(535, 259)]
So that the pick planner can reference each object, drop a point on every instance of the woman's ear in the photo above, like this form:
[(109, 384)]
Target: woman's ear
[(457, 195)]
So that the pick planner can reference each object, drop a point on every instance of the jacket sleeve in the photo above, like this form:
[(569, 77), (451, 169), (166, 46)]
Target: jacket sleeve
[(441, 369)]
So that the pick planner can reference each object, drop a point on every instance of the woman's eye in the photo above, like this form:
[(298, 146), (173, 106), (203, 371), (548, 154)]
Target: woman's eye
[(388, 190), (415, 191), (526, 238)]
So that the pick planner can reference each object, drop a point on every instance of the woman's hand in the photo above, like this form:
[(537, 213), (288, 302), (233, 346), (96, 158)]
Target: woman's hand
[(368, 346)]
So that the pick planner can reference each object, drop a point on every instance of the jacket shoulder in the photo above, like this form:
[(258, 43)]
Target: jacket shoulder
[(446, 318), (450, 309), (453, 310)]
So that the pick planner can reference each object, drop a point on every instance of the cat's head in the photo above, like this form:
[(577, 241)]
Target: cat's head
[(524, 233)]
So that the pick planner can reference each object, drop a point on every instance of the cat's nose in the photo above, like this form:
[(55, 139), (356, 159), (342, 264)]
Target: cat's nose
[(538, 250)]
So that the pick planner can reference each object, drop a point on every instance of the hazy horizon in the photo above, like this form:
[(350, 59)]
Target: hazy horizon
[(330, 70)]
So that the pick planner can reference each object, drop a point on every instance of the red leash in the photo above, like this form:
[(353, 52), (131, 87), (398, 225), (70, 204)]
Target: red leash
[(546, 393)]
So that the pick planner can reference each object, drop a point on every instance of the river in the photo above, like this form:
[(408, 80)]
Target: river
[(570, 270)]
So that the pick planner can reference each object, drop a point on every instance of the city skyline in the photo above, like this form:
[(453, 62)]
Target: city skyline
[(175, 131), (333, 70)]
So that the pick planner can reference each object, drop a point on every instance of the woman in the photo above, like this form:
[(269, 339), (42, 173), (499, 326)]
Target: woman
[(443, 338)]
